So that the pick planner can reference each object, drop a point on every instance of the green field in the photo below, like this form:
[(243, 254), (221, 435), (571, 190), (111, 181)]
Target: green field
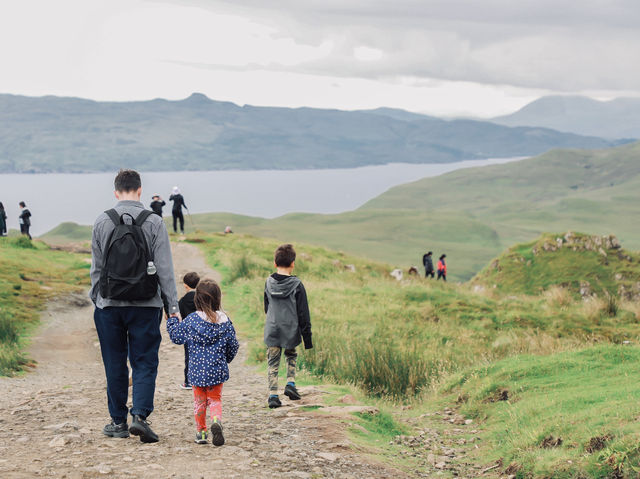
[(30, 275)]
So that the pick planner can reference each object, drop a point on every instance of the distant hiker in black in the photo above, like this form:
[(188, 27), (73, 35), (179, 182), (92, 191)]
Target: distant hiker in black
[(442, 268), (176, 211), (187, 306), (428, 265), (25, 221), (157, 204), (3, 221)]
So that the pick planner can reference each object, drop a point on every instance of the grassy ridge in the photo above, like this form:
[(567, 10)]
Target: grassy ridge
[(31, 273), (534, 267)]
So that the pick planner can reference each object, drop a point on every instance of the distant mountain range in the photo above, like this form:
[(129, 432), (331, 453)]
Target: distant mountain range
[(619, 118), (53, 134)]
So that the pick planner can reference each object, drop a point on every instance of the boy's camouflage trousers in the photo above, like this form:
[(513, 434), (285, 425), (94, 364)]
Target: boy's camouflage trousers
[(273, 360)]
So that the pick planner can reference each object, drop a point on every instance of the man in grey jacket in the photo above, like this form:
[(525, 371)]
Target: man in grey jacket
[(131, 327)]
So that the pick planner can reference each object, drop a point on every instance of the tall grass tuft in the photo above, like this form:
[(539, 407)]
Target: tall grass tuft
[(612, 306), (8, 331), (23, 242)]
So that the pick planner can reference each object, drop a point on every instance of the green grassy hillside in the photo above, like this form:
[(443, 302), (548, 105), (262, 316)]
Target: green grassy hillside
[(68, 232), (562, 362), (30, 274), (590, 266), (566, 415)]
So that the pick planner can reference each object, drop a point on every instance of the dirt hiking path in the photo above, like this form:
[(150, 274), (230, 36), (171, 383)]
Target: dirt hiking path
[(51, 419)]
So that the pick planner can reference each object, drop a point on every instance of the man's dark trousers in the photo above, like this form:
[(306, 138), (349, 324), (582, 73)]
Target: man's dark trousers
[(132, 331)]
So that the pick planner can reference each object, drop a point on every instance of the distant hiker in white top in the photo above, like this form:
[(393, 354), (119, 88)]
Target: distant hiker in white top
[(176, 210)]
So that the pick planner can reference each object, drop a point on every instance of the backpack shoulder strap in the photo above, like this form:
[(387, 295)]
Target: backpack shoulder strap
[(113, 214), (142, 217)]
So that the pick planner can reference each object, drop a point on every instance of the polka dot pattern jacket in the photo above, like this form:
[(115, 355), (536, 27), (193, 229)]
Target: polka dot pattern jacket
[(211, 346)]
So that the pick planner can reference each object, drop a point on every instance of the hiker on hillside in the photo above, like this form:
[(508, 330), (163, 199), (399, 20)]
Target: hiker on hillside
[(187, 306), (427, 261), (157, 204), (176, 210), (3, 220), (442, 268), (288, 319), (131, 268), (212, 344), (24, 219)]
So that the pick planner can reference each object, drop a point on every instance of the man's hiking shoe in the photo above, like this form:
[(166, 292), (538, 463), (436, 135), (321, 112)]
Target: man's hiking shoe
[(140, 427), (217, 439), (291, 392), (274, 401), (201, 437), (116, 430), (185, 386)]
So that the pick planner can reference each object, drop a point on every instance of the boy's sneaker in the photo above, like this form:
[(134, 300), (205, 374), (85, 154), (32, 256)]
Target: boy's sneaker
[(291, 392), (274, 401), (185, 386), (116, 430), (201, 437), (140, 427), (217, 439)]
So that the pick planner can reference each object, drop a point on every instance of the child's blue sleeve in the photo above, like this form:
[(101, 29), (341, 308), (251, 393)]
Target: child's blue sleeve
[(232, 345), (178, 330)]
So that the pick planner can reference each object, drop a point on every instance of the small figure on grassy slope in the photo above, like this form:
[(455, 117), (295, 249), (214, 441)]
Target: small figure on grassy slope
[(24, 219), (288, 320), (157, 204), (3, 221), (427, 261), (442, 268), (212, 344)]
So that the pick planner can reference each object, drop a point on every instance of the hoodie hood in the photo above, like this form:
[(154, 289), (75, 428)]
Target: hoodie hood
[(207, 332), (282, 288)]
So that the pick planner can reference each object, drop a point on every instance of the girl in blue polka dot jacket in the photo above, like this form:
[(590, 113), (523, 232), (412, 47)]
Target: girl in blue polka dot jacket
[(212, 344)]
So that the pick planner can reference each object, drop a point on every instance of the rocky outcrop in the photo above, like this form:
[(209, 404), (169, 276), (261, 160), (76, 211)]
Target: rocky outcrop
[(604, 245)]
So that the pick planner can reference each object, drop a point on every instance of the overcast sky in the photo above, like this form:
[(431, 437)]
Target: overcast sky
[(448, 57)]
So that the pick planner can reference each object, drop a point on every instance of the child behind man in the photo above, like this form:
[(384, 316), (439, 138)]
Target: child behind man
[(212, 345), (288, 319), (188, 306)]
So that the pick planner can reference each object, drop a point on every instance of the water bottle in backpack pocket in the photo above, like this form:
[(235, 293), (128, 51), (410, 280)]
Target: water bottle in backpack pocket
[(128, 271)]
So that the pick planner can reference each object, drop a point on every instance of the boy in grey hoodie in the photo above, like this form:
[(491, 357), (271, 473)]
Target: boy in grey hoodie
[(288, 321)]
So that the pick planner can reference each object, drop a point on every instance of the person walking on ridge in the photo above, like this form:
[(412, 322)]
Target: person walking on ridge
[(25, 220), (288, 319), (176, 210), (131, 268), (442, 268), (157, 204), (3, 220), (427, 261)]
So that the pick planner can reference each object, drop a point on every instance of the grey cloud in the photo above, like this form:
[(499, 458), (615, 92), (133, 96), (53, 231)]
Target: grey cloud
[(554, 45)]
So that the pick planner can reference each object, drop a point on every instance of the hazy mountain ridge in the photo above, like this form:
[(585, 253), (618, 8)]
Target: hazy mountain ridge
[(618, 118), (53, 134)]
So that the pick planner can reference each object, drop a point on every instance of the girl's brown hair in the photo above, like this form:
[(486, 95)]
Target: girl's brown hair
[(207, 299)]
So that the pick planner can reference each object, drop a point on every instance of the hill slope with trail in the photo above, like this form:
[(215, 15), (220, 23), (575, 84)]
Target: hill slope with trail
[(52, 425)]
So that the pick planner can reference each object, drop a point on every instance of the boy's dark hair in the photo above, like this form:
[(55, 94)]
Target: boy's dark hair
[(127, 180), (208, 297), (285, 255), (191, 279), (22, 204)]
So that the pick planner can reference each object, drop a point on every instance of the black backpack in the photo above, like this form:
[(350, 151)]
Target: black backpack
[(127, 258)]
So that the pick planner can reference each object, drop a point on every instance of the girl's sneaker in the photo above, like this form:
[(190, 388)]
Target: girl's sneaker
[(217, 438), (202, 437)]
